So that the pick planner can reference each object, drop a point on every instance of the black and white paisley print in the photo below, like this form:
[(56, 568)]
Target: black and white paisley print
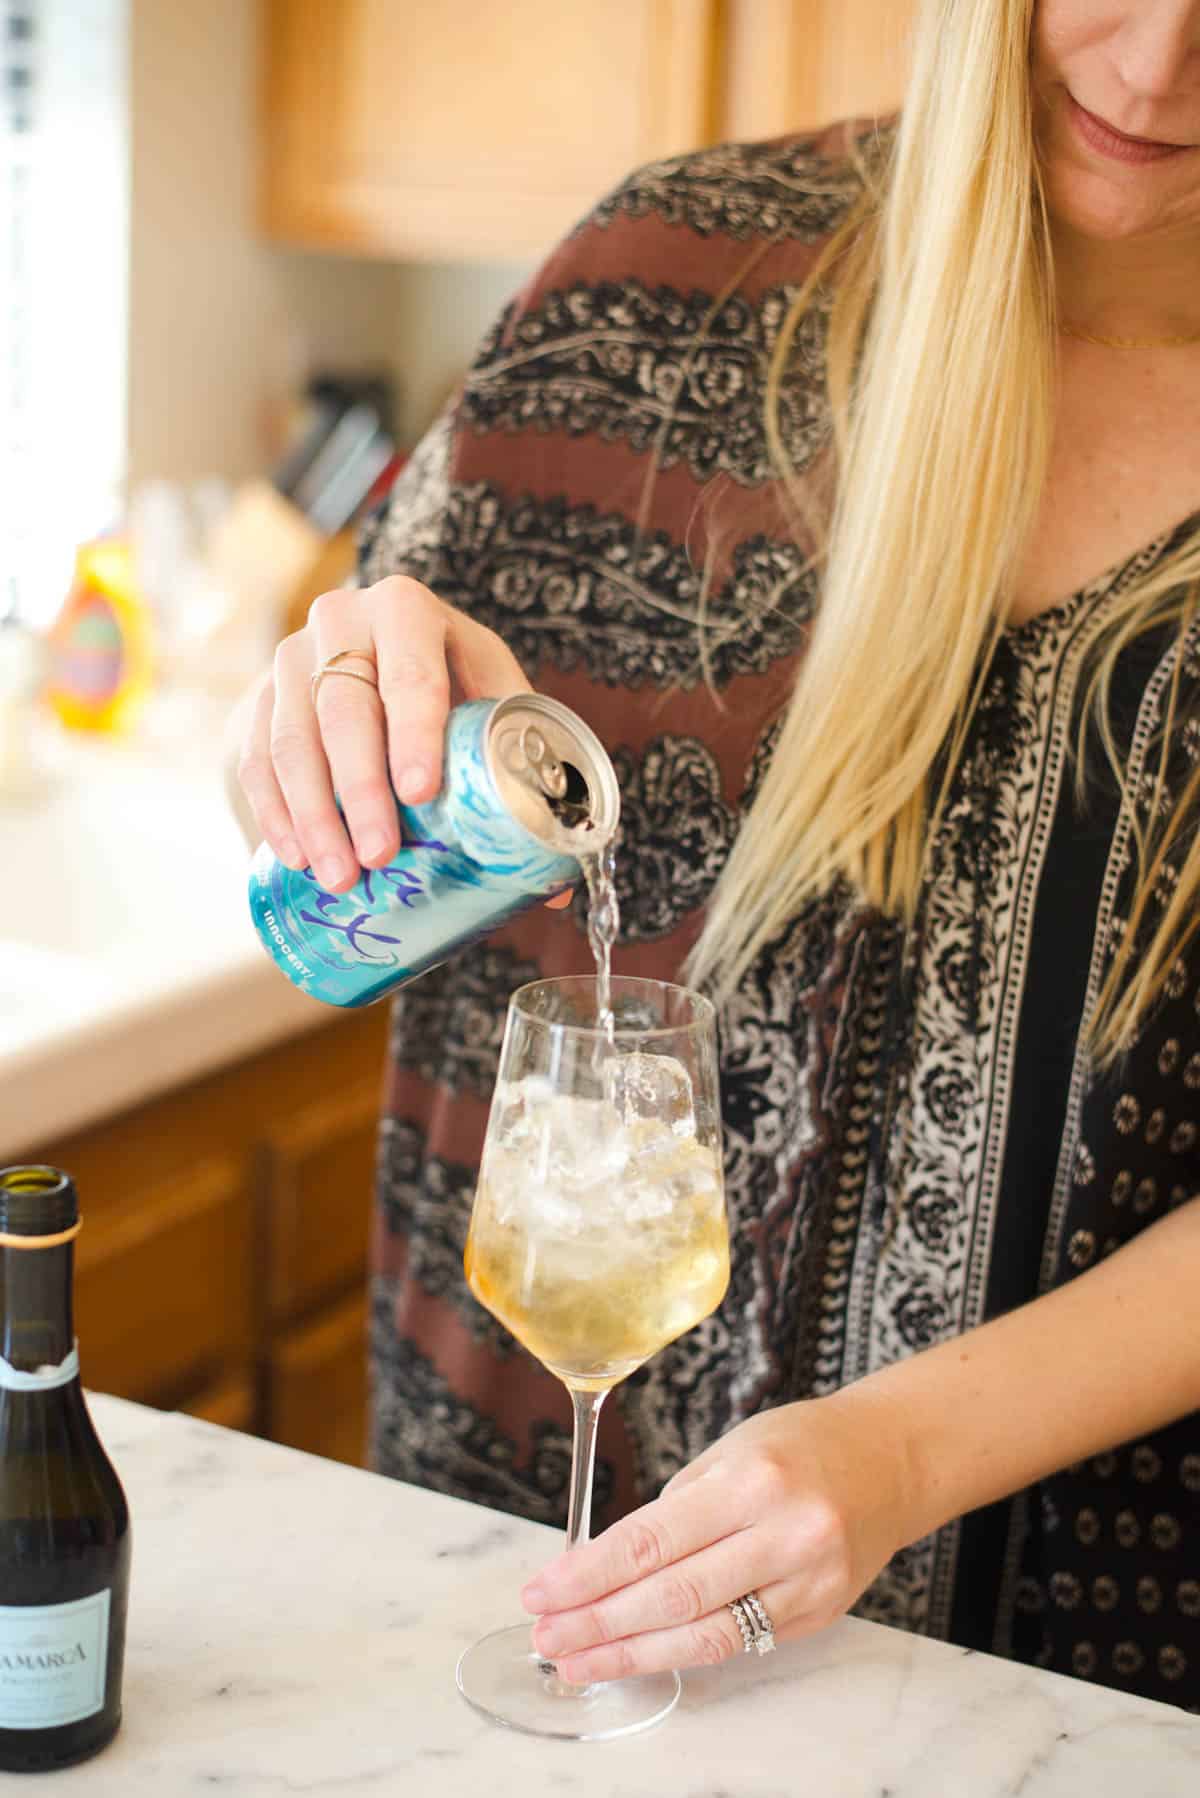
[(679, 375), (676, 832), (446, 1027), (423, 1432), (426, 1201), (574, 590), (915, 1136), (744, 191)]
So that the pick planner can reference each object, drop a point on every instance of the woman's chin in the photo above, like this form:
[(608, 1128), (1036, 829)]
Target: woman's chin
[(1091, 207)]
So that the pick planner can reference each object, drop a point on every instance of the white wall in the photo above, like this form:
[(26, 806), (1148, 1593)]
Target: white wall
[(63, 281), (441, 314), (221, 322)]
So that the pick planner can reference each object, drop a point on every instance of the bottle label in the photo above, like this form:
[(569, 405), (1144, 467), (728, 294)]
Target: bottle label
[(43, 1379), (53, 1661)]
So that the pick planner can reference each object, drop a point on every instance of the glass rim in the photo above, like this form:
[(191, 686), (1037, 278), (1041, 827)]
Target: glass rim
[(705, 1010)]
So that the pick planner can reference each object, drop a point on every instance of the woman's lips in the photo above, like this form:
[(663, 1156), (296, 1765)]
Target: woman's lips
[(1114, 144)]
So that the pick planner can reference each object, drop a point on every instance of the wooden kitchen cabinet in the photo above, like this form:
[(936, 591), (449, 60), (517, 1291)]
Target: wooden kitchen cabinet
[(164, 1280), (318, 1169), (231, 1403), (396, 128), (316, 1394), (462, 130), (786, 65), (221, 1269)]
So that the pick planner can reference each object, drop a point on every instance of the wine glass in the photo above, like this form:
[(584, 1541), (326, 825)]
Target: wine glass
[(598, 1235)]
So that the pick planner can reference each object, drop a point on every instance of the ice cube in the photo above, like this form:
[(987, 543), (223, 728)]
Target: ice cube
[(643, 1204), (548, 1208), (653, 1147), (516, 1105), (585, 1143), (643, 1087), (690, 1183)]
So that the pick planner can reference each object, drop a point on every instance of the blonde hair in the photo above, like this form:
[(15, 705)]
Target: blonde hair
[(941, 382)]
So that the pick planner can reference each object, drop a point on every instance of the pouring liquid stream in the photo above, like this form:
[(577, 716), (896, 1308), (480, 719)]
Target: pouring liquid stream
[(604, 922), (566, 794)]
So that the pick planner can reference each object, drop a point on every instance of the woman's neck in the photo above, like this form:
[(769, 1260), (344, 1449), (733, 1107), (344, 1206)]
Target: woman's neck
[(1144, 288)]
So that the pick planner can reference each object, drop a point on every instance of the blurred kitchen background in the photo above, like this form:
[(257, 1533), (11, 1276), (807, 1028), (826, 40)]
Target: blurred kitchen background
[(246, 249)]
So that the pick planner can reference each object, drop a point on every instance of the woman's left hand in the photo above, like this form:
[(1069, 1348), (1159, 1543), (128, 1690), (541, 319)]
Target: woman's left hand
[(803, 1505)]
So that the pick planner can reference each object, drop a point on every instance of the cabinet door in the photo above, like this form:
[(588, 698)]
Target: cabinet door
[(317, 1385), (321, 1175), (164, 1286), (464, 130), (215, 1213), (231, 1403), (790, 64)]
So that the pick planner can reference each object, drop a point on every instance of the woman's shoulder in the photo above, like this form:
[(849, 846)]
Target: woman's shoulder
[(697, 221), (649, 327), (797, 187), (678, 278)]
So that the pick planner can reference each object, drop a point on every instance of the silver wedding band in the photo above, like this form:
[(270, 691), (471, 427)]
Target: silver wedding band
[(330, 666), (754, 1623)]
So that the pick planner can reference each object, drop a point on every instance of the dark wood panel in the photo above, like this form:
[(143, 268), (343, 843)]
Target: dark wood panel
[(319, 1185), (317, 1385), (214, 1212), (164, 1289), (233, 1403)]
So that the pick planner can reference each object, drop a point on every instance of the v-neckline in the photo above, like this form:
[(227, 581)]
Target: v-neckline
[(1063, 611)]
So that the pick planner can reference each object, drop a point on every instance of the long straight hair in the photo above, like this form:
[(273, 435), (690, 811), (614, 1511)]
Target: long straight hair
[(941, 374)]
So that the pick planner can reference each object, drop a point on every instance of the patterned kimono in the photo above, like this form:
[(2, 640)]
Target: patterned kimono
[(915, 1138)]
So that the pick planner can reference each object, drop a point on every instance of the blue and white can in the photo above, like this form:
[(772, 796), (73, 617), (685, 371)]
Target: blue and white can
[(527, 790)]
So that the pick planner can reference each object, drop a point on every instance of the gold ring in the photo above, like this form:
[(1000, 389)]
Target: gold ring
[(330, 666)]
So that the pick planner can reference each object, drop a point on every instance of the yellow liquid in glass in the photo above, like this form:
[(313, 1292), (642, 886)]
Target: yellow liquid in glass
[(592, 1305)]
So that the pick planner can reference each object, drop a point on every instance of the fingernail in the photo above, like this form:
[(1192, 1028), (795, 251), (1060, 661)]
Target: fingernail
[(291, 854), (533, 1596), (375, 845), (412, 782), (330, 870), (544, 1637)]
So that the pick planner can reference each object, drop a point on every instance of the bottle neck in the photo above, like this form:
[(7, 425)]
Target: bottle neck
[(36, 1322)]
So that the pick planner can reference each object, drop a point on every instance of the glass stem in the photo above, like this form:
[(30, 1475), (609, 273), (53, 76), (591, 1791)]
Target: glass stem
[(586, 1406)]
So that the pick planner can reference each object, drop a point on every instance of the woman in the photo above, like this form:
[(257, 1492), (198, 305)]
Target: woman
[(796, 471)]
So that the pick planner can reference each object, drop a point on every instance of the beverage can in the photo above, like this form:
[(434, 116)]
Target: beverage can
[(527, 791)]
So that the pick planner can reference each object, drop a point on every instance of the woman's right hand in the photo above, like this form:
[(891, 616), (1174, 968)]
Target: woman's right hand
[(295, 755)]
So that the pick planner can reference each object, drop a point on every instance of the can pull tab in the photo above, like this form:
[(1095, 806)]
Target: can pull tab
[(530, 758), (542, 765)]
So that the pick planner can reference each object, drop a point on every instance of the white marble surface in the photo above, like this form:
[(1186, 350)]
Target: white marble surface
[(128, 963), (294, 1627)]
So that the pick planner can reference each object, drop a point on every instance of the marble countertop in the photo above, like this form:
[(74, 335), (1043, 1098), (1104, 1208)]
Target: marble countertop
[(294, 1628), (128, 963)]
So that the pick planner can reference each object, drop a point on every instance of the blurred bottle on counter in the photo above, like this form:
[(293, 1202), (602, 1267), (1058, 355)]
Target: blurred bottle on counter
[(64, 1523), (171, 527), (101, 664)]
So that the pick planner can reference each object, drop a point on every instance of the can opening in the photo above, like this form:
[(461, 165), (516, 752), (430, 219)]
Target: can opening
[(552, 773), (573, 806)]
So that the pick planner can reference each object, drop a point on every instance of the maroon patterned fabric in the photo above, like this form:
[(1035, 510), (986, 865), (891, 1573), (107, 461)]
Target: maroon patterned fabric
[(914, 1137)]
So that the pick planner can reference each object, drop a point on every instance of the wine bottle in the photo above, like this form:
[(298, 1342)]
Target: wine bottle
[(64, 1523)]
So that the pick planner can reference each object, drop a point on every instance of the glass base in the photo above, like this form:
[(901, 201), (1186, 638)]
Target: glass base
[(504, 1678)]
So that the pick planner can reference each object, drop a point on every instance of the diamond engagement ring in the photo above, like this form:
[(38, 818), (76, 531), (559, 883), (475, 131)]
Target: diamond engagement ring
[(754, 1622), (330, 666)]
